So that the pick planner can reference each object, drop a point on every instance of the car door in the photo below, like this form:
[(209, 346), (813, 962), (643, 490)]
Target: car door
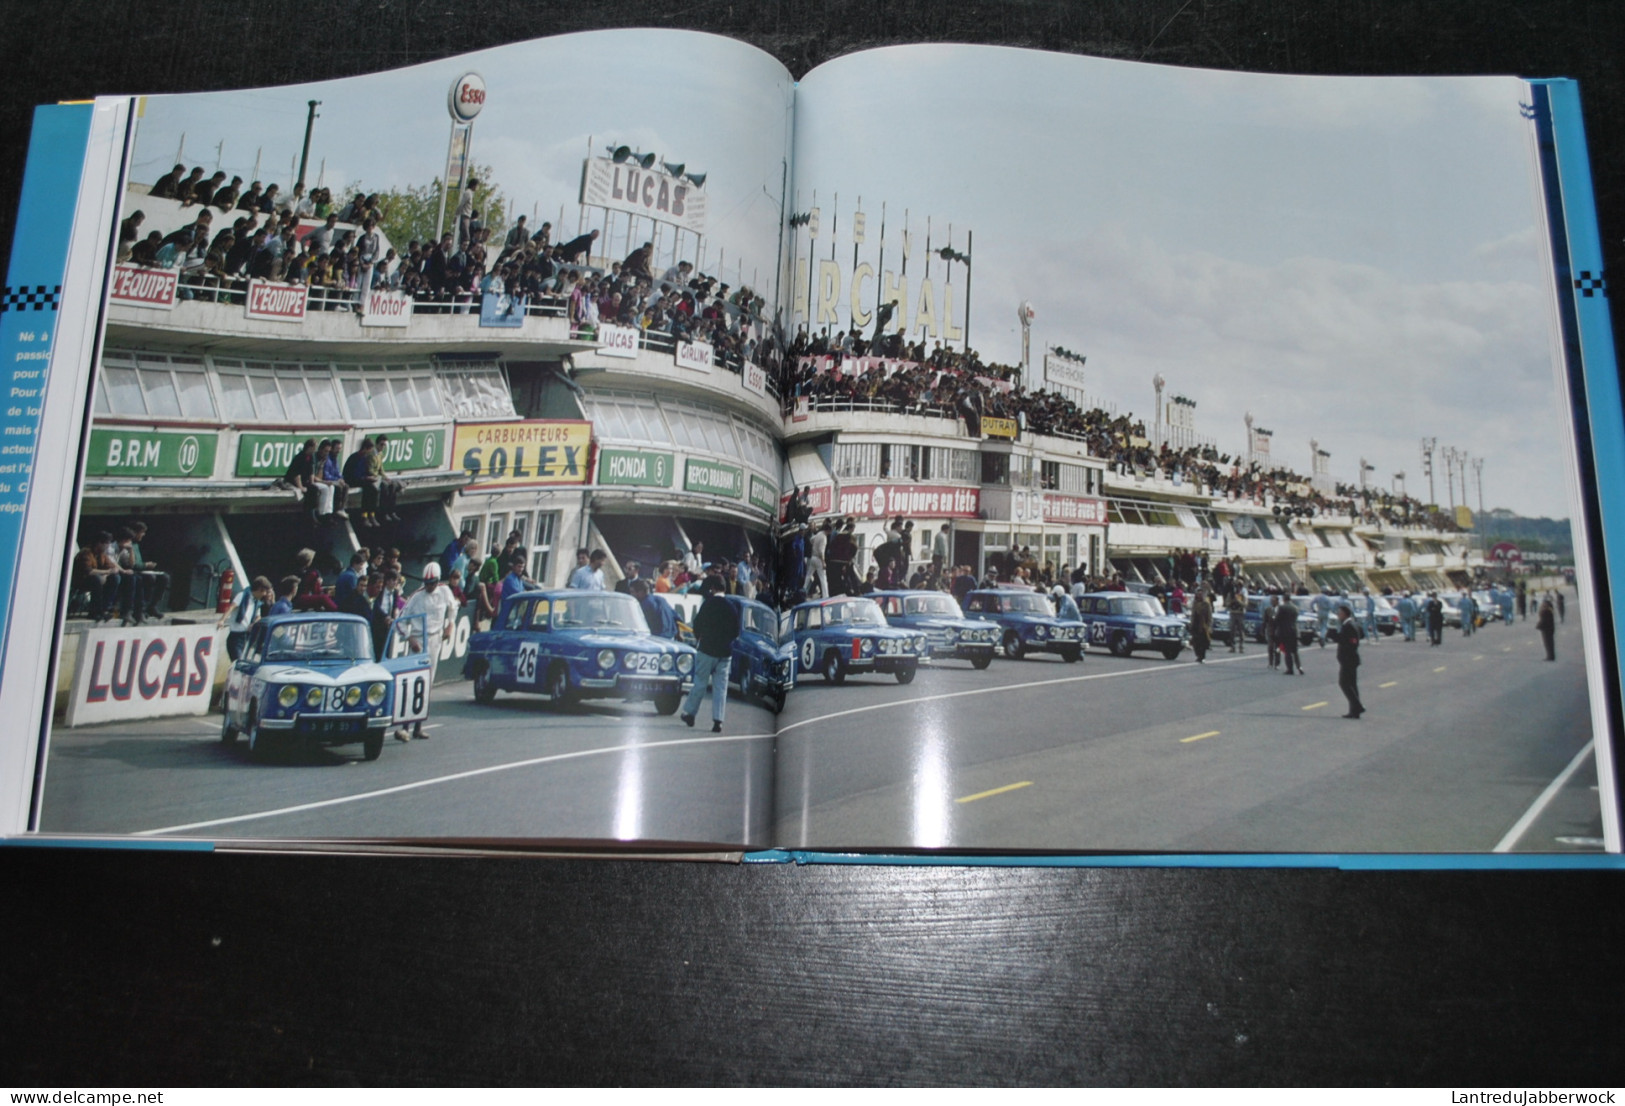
[(412, 672), (241, 676)]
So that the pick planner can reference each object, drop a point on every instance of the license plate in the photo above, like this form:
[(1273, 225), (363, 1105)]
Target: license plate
[(327, 726), (645, 662)]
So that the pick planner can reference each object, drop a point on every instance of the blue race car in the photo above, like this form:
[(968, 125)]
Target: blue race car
[(949, 635), (761, 666), (848, 634), (575, 645), (1122, 623), (1026, 623), (1308, 622), (312, 678)]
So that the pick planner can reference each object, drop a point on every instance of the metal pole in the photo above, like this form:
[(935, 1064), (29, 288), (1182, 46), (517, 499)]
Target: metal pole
[(970, 242), (440, 220), (304, 156)]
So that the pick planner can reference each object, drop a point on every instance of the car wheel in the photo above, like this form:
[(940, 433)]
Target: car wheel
[(981, 661), (1012, 645), (668, 702), (834, 668), (559, 692), (1172, 651), (259, 745), (228, 732), (906, 675), (1072, 654), (1120, 646), (372, 746), (484, 690)]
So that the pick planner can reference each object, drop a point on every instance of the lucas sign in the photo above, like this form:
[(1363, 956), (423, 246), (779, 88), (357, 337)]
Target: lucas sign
[(143, 672), (637, 191)]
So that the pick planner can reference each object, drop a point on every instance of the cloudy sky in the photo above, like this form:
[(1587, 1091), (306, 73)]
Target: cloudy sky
[(1355, 260), (718, 106), (1351, 260)]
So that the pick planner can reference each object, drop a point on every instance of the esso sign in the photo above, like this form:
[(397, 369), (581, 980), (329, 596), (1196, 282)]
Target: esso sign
[(466, 98)]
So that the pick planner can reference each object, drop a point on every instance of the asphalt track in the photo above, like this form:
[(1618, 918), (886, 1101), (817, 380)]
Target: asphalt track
[(1477, 745)]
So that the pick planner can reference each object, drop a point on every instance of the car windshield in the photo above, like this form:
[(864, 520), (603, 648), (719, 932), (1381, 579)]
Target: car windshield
[(760, 620), (1139, 606), (599, 610), (931, 604), (857, 612), (319, 641), (1025, 604)]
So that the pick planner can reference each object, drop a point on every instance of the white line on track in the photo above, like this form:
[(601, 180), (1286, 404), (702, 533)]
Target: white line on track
[(1521, 826), (1003, 688), (356, 798)]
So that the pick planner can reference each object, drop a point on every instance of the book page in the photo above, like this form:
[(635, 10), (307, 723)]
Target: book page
[(1183, 464), (379, 469)]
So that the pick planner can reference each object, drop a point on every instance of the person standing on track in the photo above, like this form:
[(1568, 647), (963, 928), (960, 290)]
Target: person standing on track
[(1546, 623), (1286, 635), (1348, 660), (715, 627), (1202, 623), (1434, 610)]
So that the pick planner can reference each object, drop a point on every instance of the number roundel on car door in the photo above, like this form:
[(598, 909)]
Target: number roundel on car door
[(524, 669), (809, 652)]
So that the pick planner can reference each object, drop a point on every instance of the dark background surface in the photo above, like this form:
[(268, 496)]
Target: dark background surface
[(147, 968)]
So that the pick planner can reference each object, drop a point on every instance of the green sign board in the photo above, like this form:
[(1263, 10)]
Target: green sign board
[(763, 494), (413, 449), (271, 454), (151, 453), (714, 479), (641, 467)]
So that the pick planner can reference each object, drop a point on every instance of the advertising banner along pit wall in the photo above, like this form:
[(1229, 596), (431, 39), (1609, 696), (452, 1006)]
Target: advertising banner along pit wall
[(144, 672)]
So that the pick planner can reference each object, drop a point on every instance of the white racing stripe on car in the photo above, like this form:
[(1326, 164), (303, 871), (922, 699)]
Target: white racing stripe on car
[(455, 776), (1008, 687)]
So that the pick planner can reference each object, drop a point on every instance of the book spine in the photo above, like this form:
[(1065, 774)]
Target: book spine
[(1593, 383)]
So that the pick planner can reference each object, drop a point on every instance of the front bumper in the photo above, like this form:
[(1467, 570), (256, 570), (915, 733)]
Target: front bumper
[(330, 729)]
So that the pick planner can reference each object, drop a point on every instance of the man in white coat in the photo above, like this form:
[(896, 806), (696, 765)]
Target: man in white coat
[(438, 606)]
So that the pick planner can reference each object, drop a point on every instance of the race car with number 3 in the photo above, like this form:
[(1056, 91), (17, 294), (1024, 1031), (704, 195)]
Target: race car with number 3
[(845, 635), (311, 679), (575, 645)]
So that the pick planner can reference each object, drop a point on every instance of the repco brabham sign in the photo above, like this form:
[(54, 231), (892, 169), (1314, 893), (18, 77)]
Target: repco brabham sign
[(279, 302), (133, 284), (143, 672)]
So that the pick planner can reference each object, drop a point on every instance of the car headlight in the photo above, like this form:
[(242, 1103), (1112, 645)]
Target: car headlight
[(352, 696), (1039, 632), (867, 646), (665, 662), (606, 658), (685, 663), (953, 637), (313, 698), (375, 694), (288, 696), (919, 644)]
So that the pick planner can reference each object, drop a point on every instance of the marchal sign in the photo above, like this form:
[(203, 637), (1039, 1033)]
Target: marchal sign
[(466, 98)]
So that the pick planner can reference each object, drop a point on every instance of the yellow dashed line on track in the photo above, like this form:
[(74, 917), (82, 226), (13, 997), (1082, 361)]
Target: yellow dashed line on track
[(1199, 737), (995, 791), (1479, 658), (1390, 683), (1441, 668), (1315, 706)]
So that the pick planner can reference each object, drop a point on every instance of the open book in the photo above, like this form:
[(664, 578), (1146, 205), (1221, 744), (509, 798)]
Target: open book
[(1053, 455)]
